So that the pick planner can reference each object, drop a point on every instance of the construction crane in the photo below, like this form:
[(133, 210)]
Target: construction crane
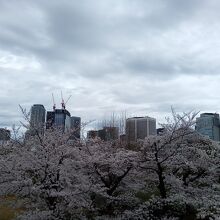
[(54, 105), (68, 99), (63, 104), (62, 101)]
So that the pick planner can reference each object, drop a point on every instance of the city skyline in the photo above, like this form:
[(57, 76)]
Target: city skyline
[(139, 56), (126, 129)]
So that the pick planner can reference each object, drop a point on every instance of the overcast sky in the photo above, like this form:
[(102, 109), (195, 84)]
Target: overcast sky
[(141, 56)]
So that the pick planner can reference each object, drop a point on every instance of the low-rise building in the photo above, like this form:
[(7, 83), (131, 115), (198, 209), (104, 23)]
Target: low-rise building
[(5, 135), (108, 133), (92, 134)]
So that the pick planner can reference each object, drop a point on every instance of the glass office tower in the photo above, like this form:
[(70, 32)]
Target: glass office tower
[(208, 125)]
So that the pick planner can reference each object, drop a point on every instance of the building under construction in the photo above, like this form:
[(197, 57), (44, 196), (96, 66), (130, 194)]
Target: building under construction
[(61, 118)]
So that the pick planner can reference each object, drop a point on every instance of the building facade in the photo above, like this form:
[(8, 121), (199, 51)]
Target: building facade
[(92, 134), (60, 118), (123, 139), (208, 124), (140, 128), (76, 126), (105, 134), (50, 120), (5, 135), (37, 119), (108, 133)]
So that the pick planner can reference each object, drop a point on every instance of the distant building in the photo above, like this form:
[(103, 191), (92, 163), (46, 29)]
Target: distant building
[(59, 118), (108, 133), (92, 134), (139, 128), (208, 124), (5, 135), (76, 126), (37, 119), (50, 120), (123, 139), (160, 131), (102, 134)]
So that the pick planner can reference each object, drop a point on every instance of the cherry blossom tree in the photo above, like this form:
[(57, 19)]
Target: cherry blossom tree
[(184, 167), (47, 173), (172, 176), (114, 175), (55, 177)]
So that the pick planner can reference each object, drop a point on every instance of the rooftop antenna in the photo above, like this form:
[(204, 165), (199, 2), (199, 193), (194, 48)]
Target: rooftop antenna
[(54, 105)]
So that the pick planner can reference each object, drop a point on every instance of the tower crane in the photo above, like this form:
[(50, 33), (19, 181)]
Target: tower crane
[(54, 105), (63, 103)]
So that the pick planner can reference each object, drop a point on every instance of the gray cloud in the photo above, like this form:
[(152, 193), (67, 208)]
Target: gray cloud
[(142, 56)]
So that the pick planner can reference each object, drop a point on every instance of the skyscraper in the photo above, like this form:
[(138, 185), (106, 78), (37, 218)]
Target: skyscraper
[(208, 124), (76, 126), (37, 119), (139, 128)]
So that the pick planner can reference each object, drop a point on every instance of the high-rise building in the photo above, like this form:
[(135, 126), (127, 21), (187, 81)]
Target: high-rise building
[(208, 124), (139, 128), (37, 118), (76, 126), (59, 118)]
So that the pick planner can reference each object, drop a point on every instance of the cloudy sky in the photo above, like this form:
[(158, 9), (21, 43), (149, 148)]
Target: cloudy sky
[(141, 56)]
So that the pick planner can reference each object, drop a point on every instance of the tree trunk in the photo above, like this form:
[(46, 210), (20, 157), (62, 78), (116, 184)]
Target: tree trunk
[(161, 185)]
